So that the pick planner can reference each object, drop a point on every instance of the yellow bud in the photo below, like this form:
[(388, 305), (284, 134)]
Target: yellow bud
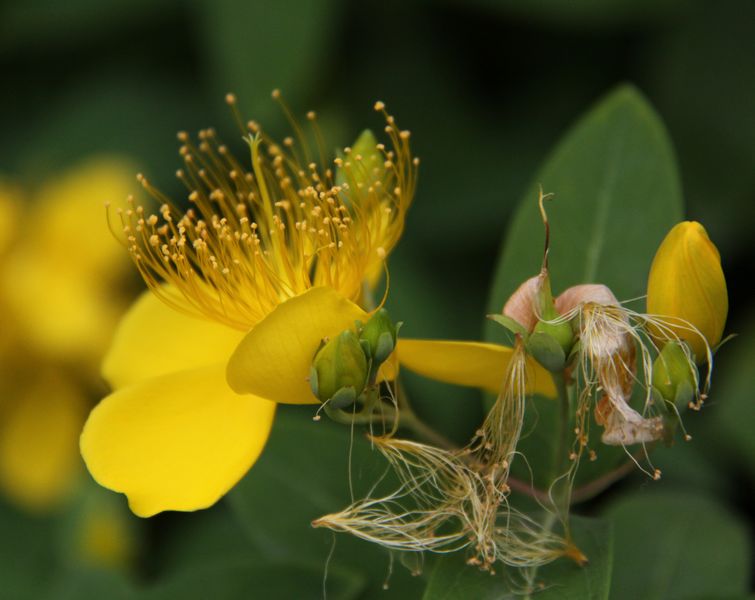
[(686, 282)]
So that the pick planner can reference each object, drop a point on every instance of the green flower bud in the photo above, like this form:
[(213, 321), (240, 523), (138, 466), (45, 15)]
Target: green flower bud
[(379, 335), (673, 375), (339, 370), (363, 166), (550, 343)]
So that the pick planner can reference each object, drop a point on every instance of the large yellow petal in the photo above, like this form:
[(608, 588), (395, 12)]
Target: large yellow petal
[(39, 457), (175, 442), (473, 364), (273, 360), (154, 339)]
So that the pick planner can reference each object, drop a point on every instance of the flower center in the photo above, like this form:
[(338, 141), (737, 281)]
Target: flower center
[(257, 234)]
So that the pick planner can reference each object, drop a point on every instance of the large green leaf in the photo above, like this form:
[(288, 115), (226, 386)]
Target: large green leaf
[(453, 579), (90, 584), (244, 578), (617, 193), (304, 474), (27, 554), (732, 417), (673, 546)]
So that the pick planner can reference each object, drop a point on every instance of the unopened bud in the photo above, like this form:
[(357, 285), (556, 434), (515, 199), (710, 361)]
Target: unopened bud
[(687, 284), (339, 371), (364, 166), (379, 335)]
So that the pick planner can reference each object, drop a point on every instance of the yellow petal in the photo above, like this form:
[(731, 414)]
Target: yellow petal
[(175, 442), (274, 359), (58, 313), (473, 364), (68, 213), (39, 456), (686, 282), (154, 339)]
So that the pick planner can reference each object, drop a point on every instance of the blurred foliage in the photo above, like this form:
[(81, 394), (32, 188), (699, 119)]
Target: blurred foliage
[(487, 87)]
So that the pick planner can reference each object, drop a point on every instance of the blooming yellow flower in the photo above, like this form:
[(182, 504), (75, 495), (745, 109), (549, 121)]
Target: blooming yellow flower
[(57, 309), (245, 284), (687, 284)]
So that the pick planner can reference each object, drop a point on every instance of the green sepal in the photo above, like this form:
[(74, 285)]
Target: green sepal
[(547, 351), (378, 336), (344, 397), (674, 375), (512, 325)]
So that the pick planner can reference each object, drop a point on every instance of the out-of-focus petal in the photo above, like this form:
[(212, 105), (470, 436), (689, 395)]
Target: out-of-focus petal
[(39, 429)]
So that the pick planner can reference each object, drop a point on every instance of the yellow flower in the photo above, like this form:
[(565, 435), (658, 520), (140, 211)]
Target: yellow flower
[(687, 284), (61, 279), (268, 261), (57, 311)]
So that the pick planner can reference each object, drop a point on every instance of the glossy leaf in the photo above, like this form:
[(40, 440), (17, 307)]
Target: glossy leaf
[(673, 546), (244, 578), (453, 579), (304, 474)]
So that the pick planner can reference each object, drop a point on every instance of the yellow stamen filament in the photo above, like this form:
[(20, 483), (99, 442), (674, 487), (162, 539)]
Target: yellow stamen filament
[(264, 230)]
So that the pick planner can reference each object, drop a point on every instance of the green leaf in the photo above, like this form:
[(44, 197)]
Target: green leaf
[(674, 546), (27, 554), (90, 584), (304, 474), (244, 578), (617, 194), (453, 579), (732, 417)]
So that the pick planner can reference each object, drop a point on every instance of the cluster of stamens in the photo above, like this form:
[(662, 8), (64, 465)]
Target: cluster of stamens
[(261, 231)]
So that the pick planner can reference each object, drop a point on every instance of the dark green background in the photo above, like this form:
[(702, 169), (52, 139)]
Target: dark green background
[(487, 88)]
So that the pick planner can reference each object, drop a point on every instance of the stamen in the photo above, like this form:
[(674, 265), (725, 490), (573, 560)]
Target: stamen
[(266, 229)]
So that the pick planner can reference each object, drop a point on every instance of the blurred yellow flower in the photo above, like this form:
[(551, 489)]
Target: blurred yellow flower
[(59, 305), (687, 284), (245, 284)]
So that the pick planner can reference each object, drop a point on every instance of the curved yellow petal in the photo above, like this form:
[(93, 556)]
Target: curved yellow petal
[(38, 442), (175, 442), (687, 282), (154, 339), (274, 359), (473, 364)]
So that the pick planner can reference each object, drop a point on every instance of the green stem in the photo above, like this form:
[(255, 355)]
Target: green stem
[(562, 489)]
